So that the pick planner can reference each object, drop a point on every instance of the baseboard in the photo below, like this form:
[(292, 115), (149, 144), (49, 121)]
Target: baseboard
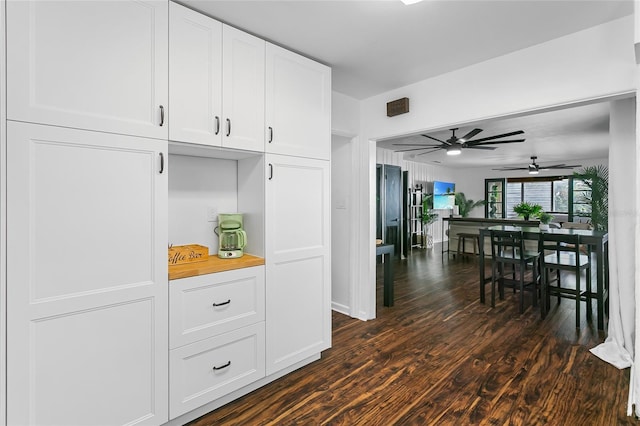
[(339, 307)]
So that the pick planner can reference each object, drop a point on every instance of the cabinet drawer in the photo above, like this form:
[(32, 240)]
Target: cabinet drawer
[(209, 369), (207, 305)]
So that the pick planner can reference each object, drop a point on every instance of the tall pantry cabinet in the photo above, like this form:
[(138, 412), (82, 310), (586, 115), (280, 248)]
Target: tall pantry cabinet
[(298, 232), (102, 96), (87, 295)]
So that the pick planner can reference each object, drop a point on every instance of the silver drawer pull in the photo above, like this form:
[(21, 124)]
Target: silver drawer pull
[(222, 366), (223, 303)]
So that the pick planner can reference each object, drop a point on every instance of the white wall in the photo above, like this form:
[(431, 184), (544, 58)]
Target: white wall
[(345, 115), (349, 261), (589, 64), (596, 63), (340, 228), (198, 185)]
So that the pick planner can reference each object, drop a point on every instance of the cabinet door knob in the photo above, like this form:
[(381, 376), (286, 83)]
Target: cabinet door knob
[(161, 115), (217, 125), (222, 366), (223, 303), (228, 127), (161, 163), (270, 171), (270, 134)]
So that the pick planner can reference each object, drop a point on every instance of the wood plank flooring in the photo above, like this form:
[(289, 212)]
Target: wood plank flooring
[(440, 357)]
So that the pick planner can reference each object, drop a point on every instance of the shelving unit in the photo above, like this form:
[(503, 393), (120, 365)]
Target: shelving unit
[(416, 231)]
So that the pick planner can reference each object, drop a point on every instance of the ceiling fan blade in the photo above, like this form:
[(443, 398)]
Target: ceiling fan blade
[(471, 134), (559, 166), (414, 144), (475, 143), (480, 147), (428, 152), (416, 149), (436, 139), (504, 135), (504, 169)]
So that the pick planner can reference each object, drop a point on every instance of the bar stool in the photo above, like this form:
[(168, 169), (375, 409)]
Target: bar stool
[(462, 238), (564, 254), (507, 249)]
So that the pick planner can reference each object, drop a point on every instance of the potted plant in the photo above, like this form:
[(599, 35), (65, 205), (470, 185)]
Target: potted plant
[(596, 178), (465, 206), (526, 210), (544, 218)]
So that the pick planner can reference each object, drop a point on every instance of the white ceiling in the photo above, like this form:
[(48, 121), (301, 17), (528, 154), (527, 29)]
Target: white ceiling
[(581, 131), (378, 45)]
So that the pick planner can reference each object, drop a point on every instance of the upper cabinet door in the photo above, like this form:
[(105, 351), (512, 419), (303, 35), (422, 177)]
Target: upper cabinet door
[(97, 65), (195, 77), (298, 102), (243, 90)]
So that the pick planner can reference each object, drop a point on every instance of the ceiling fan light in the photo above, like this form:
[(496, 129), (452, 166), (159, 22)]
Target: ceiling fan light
[(454, 150), (533, 172)]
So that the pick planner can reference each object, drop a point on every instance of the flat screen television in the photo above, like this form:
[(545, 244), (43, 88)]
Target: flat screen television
[(444, 195)]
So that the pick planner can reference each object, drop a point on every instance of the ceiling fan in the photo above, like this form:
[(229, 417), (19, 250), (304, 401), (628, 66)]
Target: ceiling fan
[(454, 144), (534, 167)]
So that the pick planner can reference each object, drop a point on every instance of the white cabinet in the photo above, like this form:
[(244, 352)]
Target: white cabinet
[(216, 82), (206, 305), (217, 336), (195, 77), (206, 370), (298, 316), (97, 65), (87, 278), (298, 102), (242, 90)]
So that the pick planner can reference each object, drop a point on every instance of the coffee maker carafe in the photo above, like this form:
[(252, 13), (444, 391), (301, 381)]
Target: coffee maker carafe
[(231, 237)]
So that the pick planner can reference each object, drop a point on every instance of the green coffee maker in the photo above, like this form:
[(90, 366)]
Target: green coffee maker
[(232, 239)]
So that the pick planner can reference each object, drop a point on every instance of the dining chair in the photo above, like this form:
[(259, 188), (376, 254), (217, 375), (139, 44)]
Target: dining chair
[(509, 262), (562, 253)]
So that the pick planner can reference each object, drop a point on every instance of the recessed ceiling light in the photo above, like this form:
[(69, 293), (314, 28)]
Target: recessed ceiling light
[(410, 1)]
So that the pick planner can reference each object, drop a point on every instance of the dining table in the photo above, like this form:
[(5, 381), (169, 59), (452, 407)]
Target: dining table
[(598, 242)]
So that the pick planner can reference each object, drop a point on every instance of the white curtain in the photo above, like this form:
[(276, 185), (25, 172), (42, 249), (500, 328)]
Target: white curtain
[(618, 348)]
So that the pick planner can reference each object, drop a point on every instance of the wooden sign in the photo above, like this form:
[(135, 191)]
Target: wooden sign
[(397, 107), (187, 254)]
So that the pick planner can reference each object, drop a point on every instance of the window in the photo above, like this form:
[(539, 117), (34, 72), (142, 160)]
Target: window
[(581, 199), (556, 194), (494, 198), (551, 193)]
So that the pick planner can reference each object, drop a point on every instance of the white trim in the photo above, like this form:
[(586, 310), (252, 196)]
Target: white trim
[(368, 190), (354, 235), (339, 307), (3, 216)]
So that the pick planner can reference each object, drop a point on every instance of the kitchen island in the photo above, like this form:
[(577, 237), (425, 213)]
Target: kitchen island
[(454, 226)]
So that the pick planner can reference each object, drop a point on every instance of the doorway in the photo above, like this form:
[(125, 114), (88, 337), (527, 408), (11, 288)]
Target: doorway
[(389, 205)]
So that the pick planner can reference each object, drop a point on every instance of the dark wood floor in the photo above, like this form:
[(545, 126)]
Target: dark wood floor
[(441, 357)]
